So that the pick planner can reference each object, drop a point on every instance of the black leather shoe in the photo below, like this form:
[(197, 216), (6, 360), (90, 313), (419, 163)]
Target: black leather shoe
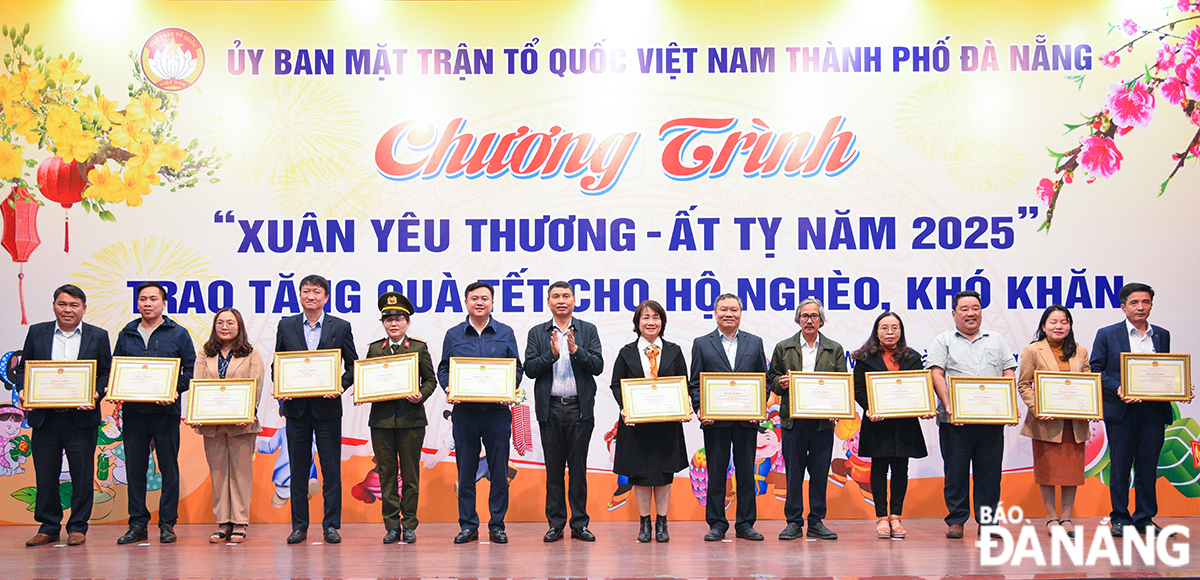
[(297, 536), (166, 534), (332, 536), (714, 535), (749, 534), (660, 530), (1152, 526), (819, 531), (552, 535), (498, 536), (583, 534), (466, 536), (1118, 530), (791, 532), (135, 534), (392, 536), (410, 537), (644, 533)]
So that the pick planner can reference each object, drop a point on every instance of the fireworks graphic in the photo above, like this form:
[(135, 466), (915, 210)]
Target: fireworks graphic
[(304, 139), (105, 274), (986, 166)]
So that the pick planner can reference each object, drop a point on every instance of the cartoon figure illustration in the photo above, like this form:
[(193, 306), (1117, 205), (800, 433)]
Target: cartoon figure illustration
[(368, 490), (769, 475), (620, 495), (852, 466), (269, 442), (447, 447), (14, 447)]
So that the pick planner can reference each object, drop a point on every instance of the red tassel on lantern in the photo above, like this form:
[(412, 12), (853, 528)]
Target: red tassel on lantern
[(62, 183), (20, 233)]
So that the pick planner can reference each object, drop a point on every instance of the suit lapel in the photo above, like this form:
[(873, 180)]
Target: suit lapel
[(633, 360), (1047, 356), (1123, 337), (714, 339), (667, 357), (299, 329), (1156, 338)]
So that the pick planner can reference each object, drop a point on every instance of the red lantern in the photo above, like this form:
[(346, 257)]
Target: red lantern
[(63, 183), (20, 233)]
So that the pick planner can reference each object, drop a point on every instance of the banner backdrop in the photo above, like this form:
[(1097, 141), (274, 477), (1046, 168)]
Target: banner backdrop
[(877, 155)]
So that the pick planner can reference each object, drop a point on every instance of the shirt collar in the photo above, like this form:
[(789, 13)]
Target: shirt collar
[(1132, 330), (471, 327), (978, 335), (726, 339), (320, 320), (59, 331), (554, 324), (643, 343)]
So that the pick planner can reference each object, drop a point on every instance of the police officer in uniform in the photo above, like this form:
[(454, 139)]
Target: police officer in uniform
[(398, 426)]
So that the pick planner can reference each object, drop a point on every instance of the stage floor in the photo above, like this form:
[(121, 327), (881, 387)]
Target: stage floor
[(926, 553)]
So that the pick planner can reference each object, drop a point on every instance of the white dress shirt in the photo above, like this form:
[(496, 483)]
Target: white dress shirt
[(66, 344)]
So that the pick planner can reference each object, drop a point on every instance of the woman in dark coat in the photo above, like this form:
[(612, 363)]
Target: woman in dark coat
[(649, 454), (888, 442)]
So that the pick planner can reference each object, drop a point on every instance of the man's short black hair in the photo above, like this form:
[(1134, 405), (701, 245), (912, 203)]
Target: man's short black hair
[(71, 290), (315, 280), (1132, 287), (152, 284), (473, 286), (965, 294), (561, 284)]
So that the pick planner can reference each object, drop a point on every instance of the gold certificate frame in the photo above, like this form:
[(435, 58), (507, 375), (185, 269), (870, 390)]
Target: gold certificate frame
[(660, 400), (983, 400), (386, 378), (222, 402), (733, 396), (138, 379), (482, 380), (1156, 376), (307, 373), (63, 384), (821, 395), (900, 394), (1067, 395)]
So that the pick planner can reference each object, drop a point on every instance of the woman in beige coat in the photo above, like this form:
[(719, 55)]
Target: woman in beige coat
[(230, 448), (1058, 444)]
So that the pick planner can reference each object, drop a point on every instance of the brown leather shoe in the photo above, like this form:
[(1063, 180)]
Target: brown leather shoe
[(955, 532), (76, 538), (40, 539)]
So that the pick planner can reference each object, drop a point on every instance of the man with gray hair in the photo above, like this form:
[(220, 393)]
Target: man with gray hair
[(807, 443), (728, 350)]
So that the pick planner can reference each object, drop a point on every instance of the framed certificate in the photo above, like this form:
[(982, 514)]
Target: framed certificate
[(1067, 395), (821, 395), (898, 394), (143, 379), (1156, 377), (986, 400), (656, 400), (308, 373), (64, 384), (386, 378), (733, 396), (482, 380), (222, 401)]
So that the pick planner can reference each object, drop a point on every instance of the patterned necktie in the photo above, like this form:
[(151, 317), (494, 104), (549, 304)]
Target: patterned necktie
[(652, 355)]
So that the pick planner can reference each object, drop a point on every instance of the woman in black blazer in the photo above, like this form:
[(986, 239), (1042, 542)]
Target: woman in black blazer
[(888, 442), (649, 454)]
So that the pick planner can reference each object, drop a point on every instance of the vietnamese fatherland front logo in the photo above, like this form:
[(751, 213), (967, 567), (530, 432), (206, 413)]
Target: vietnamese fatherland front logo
[(172, 59)]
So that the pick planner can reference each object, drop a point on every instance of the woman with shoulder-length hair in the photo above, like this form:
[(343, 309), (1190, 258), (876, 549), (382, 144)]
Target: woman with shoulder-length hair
[(228, 354), (890, 443), (1058, 444), (649, 454)]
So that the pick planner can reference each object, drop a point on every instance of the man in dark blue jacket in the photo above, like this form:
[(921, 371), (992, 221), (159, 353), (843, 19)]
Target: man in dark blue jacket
[(69, 431), (154, 335), (563, 357)]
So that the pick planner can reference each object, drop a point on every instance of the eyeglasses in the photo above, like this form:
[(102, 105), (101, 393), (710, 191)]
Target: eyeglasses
[(226, 324), (810, 317), (394, 319)]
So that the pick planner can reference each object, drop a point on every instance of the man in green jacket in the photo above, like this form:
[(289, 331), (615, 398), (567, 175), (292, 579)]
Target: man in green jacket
[(807, 443), (398, 426)]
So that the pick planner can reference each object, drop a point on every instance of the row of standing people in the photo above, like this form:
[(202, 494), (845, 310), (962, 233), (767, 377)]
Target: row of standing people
[(564, 356)]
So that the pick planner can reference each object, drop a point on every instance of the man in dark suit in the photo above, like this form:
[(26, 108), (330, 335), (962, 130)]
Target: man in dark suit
[(321, 417), (72, 431), (807, 443), (563, 358), (1134, 427), (728, 350), (398, 426)]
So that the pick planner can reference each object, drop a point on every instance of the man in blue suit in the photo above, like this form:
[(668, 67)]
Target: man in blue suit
[(1134, 427), (728, 350), (319, 417), (72, 431)]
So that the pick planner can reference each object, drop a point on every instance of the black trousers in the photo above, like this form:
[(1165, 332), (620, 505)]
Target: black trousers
[(300, 433), (879, 484), (742, 438), (565, 438), (806, 449), (398, 452), (482, 426), (967, 449), (140, 430), (1134, 442), (60, 434)]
